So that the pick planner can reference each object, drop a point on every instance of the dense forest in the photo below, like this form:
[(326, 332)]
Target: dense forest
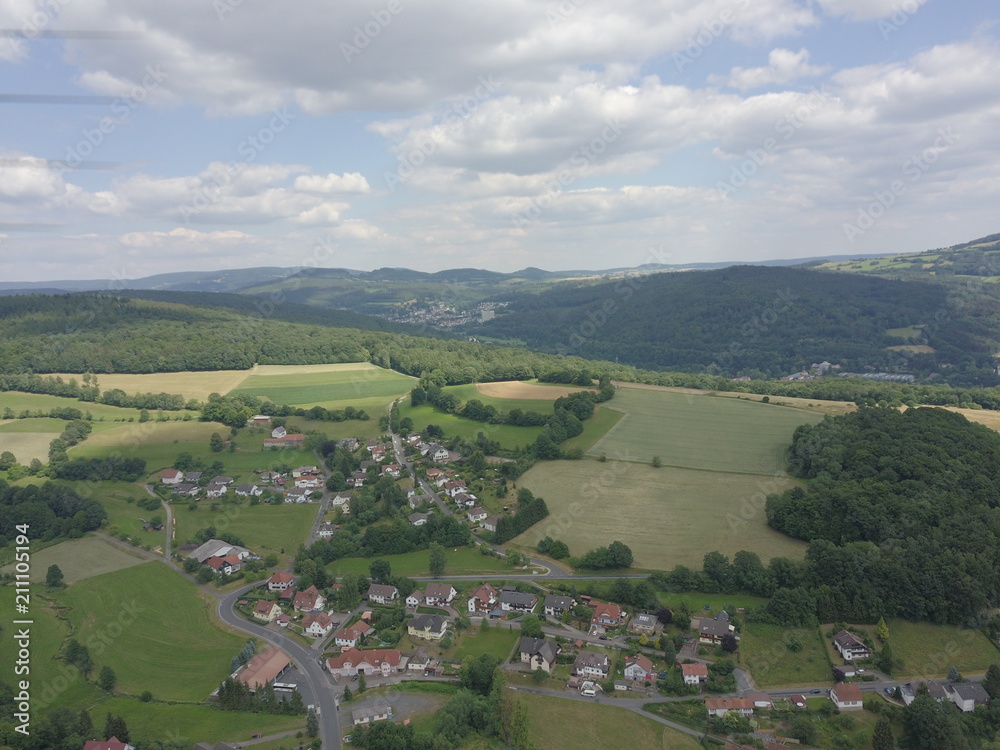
[(52, 510), (902, 513), (759, 321)]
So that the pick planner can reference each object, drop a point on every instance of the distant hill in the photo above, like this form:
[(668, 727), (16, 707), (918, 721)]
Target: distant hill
[(978, 259), (761, 321)]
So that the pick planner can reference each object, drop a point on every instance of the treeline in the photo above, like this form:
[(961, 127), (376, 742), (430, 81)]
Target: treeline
[(530, 510), (89, 391), (51, 510), (901, 513), (233, 695), (112, 468)]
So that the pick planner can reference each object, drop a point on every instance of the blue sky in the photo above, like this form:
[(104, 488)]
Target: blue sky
[(563, 135)]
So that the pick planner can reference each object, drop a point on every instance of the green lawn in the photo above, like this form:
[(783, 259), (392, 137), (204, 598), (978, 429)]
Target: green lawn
[(332, 386), (79, 559), (263, 528), (498, 641), (507, 435), (595, 428), (668, 516), (469, 392), (700, 431), (19, 401), (765, 652), (460, 561), (125, 517), (560, 724), (154, 629)]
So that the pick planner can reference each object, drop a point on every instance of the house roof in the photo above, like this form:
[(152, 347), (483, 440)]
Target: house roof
[(433, 623), (970, 691), (352, 632), (420, 657), (608, 611), (378, 708), (730, 704), (264, 667), (845, 639), (265, 607), (322, 619), (692, 670), (113, 744), (547, 650), (382, 591), (436, 590), (376, 658), (518, 599), (591, 659), (716, 628), (307, 599), (644, 619), (558, 602), (640, 660), (847, 692)]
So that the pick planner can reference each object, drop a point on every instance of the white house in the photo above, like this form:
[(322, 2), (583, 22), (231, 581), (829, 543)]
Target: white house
[(847, 696)]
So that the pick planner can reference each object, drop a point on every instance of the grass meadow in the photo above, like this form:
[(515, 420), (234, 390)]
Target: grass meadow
[(460, 561), (668, 516), (765, 654), (29, 438), (190, 384), (152, 616), (508, 436), (80, 559), (559, 724), (332, 386), (18, 402), (700, 432)]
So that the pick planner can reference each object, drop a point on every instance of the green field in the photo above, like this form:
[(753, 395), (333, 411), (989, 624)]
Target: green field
[(80, 558), (700, 431), (764, 652), (34, 401), (460, 561), (29, 438), (595, 428), (668, 516), (332, 386), (126, 517), (469, 392), (150, 615), (263, 528), (498, 641), (561, 724), (508, 436)]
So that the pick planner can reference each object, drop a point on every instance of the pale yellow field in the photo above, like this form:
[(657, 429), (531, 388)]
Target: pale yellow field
[(535, 392), (131, 434), (27, 445), (81, 558), (190, 384), (808, 404), (266, 370)]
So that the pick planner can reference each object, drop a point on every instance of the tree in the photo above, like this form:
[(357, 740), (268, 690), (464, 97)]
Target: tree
[(143, 415), (106, 679), (929, 725), (882, 630), (729, 643), (7, 460), (54, 577), (992, 682), (85, 725), (380, 570), (885, 660), (954, 675), (619, 555), (883, 738), (531, 626), (539, 676), (438, 560), (312, 723), (216, 443), (477, 674), (347, 694), (115, 726), (657, 462), (362, 683)]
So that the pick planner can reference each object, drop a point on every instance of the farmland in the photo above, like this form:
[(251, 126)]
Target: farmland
[(191, 384), (507, 435), (559, 724), (460, 561), (19, 402), (668, 516), (330, 386), (172, 633), (701, 432), (79, 559), (29, 438)]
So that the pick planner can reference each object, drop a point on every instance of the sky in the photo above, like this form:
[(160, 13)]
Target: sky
[(144, 136)]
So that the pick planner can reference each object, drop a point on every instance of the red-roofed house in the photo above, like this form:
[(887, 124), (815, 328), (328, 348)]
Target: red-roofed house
[(722, 706), (439, 593), (317, 626), (226, 565), (350, 636), (847, 696), (607, 615), (383, 661), (280, 581), (309, 600), (694, 674), (113, 744), (638, 667), (172, 476), (266, 611), (483, 599)]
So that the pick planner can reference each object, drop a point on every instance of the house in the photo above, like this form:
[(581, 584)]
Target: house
[(638, 667), (291, 440), (222, 480), (172, 476), (438, 594), (377, 711), (391, 470), (714, 630), (215, 491), (589, 663), (379, 593), (266, 611), (310, 482), (193, 476), (694, 674), (477, 514), (357, 479), (279, 432), (490, 524), (847, 696), (436, 452), (841, 673), (418, 519), (967, 695), (483, 599), (350, 636), (515, 601), (607, 615), (113, 744), (186, 490), (434, 474), (264, 667), (465, 500), (722, 706), (317, 626), (760, 700), (418, 661), (850, 646), (348, 444), (249, 490), (539, 653), (309, 600), (297, 495), (378, 453), (341, 500), (454, 486), (327, 530), (382, 661), (226, 565), (556, 606), (283, 620), (644, 624), (429, 627), (218, 548), (416, 501), (269, 477), (258, 420), (415, 599)]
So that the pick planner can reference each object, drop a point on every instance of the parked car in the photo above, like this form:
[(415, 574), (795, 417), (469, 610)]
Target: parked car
[(603, 638), (815, 691)]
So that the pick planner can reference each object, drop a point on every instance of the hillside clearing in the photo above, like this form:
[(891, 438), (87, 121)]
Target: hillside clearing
[(332, 386), (668, 516)]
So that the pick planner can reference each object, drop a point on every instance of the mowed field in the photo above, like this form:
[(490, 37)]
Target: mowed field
[(331, 386), (18, 402), (668, 516), (152, 616), (700, 431), (190, 384), (80, 559), (528, 390), (29, 438), (560, 724)]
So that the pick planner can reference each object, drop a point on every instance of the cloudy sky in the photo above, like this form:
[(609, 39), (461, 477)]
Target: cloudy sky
[(145, 136)]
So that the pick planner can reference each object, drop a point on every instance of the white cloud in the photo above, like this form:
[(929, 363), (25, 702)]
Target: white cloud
[(349, 182), (783, 66), (867, 10)]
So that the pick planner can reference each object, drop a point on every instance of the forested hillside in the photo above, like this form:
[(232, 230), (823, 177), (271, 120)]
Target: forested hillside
[(902, 512), (759, 321)]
